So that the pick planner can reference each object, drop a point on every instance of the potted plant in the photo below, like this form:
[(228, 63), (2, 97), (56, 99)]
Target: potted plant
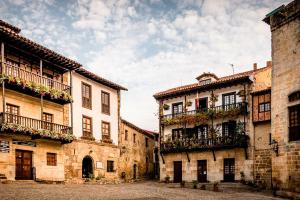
[(166, 107), (195, 184)]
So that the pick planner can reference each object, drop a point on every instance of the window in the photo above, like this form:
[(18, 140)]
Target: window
[(126, 135), (177, 108), (294, 96), (47, 121), (105, 102), (87, 126), (134, 138), (110, 166), (264, 107), (86, 96), (229, 98), (204, 82), (202, 132), (105, 130), (294, 123), (51, 159), (12, 113), (146, 142), (177, 133), (228, 128)]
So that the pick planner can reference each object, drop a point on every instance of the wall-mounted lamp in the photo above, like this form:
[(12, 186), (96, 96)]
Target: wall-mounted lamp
[(274, 146)]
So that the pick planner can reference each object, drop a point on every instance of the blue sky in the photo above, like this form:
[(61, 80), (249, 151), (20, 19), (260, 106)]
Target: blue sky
[(149, 46)]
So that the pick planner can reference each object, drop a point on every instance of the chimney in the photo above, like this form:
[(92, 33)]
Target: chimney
[(254, 66), (269, 64)]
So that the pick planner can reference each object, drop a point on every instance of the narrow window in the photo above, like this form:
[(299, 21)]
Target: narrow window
[(86, 96), (110, 166), (87, 127), (134, 139), (47, 121), (229, 99), (177, 133), (12, 113), (126, 135), (294, 123), (105, 102), (105, 131), (51, 159)]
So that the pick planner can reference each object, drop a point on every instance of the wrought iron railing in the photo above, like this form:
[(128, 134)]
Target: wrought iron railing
[(32, 126), (24, 75), (195, 143), (241, 107)]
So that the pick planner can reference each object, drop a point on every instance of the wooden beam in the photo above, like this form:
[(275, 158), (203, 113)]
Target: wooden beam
[(3, 83)]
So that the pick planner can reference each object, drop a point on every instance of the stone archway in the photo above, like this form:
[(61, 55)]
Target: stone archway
[(87, 167)]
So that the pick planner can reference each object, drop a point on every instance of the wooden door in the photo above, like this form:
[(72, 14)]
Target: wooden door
[(229, 169), (177, 171), (23, 165), (202, 171)]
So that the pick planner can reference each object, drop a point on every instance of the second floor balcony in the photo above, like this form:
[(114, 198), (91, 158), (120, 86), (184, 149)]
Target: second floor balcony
[(27, 82), (204, 115), (35, 128)]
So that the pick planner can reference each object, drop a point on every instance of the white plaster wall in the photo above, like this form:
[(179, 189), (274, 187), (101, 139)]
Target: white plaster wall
[(95, 113), (193, 96)]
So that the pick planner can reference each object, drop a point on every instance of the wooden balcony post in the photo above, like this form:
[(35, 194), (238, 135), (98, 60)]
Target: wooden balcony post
[(42, 98), (3, 72), (71, 86)]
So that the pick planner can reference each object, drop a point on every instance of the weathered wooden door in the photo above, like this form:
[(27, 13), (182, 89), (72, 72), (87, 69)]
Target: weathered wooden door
[(229, 169), (202, 171), (177, 171), (23, 165)]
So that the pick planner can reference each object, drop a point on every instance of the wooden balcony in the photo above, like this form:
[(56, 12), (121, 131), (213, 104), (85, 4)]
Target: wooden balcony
[(186, 144), (35, 128), (204, 115), (35, 85)]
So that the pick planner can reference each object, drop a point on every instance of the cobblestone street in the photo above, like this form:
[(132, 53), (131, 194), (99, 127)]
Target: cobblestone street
[(137, 191)]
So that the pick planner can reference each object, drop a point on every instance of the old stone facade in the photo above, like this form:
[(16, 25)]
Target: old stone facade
[(137, 146), (35, 98), (285, 119), (95, 152), (206, 128)]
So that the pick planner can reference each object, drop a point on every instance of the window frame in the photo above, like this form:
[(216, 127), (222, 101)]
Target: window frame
[(176, 133), (50, 160), (228, 94), (134, 138), (84, 103), (296, 122), (110, 166), (12, 117), (104, 105), (109, 130), (48, 125), (85, 133), (264, 107), (126, 135), (176, 105)]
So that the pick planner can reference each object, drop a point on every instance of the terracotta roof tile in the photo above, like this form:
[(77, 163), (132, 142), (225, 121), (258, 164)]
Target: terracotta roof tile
[(243, 75), (99, 79)]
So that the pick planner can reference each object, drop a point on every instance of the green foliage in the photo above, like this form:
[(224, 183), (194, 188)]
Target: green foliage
[(67, 136)]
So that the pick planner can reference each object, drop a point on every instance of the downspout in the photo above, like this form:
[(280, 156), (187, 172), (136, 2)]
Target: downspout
[(3, 83)]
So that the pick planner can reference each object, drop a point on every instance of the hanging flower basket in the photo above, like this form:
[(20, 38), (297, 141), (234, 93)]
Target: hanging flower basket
[(189, 103), (166, 107)]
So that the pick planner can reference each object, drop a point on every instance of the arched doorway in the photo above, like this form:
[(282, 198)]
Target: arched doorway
[(87, 167), (134, 171)]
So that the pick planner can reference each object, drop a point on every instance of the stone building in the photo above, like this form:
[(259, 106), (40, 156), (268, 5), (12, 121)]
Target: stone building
[(285, 117), (34, 116), (96, 118), (138, 158), (206, 128)]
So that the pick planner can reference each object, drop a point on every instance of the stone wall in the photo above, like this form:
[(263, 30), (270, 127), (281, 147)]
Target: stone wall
[(285, 27), (136, 153), (39, 158), (263, 168), (100, 153), (214, 168)]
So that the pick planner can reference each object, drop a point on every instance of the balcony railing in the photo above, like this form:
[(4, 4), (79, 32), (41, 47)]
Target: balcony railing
[(205, 114), (35, 128), (199, 144), (36, 83)]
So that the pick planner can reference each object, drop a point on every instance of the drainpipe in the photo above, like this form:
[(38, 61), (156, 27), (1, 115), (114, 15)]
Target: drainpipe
[(3, 84)]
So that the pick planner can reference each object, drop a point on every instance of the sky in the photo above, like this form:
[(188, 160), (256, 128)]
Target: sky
[(149, 46)]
